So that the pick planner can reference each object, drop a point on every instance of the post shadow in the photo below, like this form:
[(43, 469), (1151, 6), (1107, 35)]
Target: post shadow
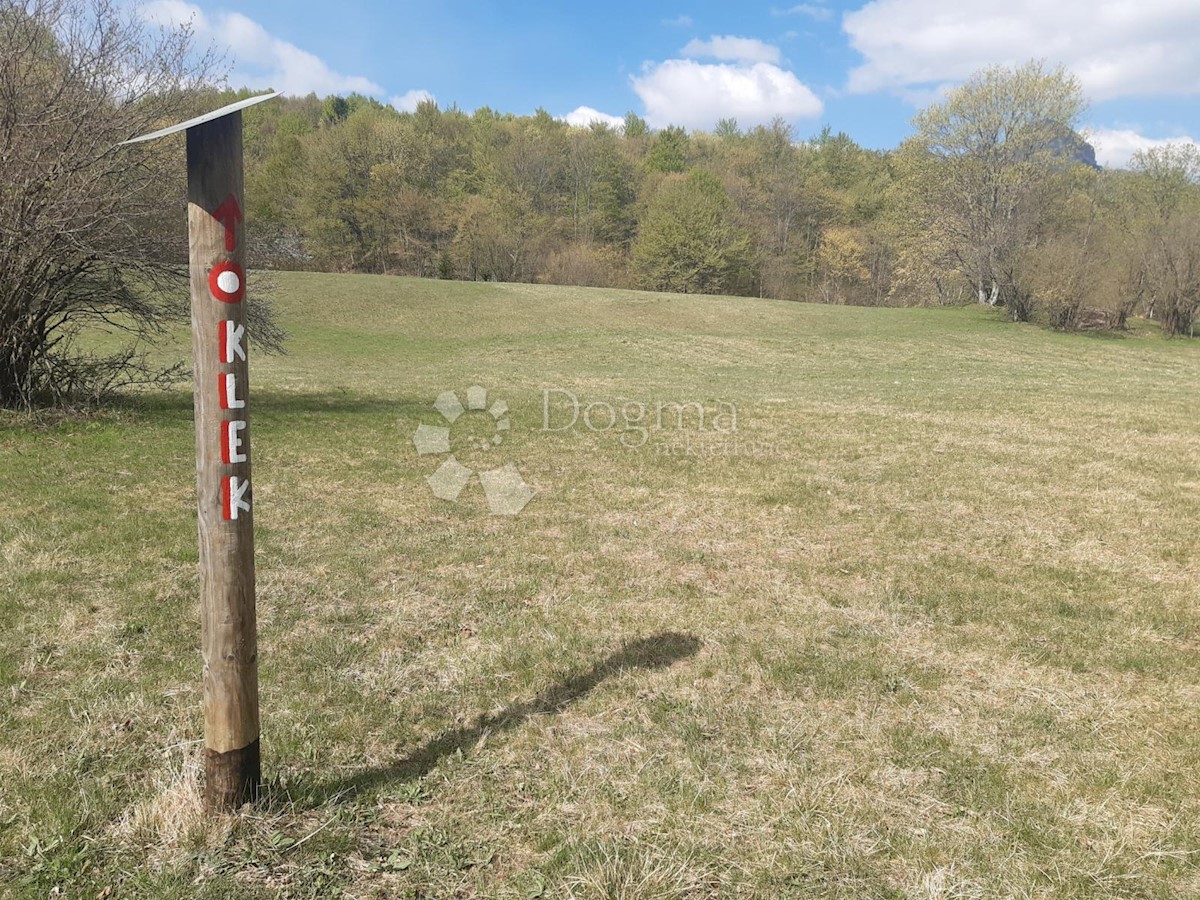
[(657, 651)]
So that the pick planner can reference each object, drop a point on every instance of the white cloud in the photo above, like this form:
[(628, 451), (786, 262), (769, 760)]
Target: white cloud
[(732, 49), (816, 13), (696, 95), (1116, 47), (169, 13), (1115, 146), (260, 59), (684, 21), (583, 116), (408, 102)]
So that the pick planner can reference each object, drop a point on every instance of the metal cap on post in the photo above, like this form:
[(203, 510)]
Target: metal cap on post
[(229, 641)]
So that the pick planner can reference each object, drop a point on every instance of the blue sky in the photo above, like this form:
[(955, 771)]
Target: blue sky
[(860, 66)]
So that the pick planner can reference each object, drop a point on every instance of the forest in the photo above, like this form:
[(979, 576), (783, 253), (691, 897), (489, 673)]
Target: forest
[(995, 198)]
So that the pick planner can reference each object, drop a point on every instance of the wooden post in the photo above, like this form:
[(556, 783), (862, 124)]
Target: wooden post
[(228, 627), (229, 640)]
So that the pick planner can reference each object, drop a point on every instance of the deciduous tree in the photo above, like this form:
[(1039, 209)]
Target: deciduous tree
[(1170, 267), (688, 240), (91, 233), (975, 167)]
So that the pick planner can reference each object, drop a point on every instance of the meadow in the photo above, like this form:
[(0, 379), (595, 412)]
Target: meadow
[(923, 623)]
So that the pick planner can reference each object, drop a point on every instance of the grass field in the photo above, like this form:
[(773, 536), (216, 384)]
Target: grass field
[(925, 625)]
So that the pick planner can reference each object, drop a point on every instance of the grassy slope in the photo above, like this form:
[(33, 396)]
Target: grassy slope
[(931, 621)]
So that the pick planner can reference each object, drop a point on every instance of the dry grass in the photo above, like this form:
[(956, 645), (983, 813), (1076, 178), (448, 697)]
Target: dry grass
[(171, 820), (927, 628)]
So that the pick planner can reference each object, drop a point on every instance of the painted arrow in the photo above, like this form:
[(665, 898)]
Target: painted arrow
[(229, 214)]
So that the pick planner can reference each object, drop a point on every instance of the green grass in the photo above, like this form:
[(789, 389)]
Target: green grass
[(925, 626)]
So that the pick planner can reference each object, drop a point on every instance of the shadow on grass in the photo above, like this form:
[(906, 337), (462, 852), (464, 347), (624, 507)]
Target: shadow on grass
[(657, 651)]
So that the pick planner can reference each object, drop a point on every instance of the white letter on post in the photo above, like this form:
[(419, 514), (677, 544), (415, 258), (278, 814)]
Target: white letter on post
[(233, 497), (229, 397), (231, 442), (231, 340)]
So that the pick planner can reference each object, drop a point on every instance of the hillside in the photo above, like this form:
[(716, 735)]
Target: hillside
[(910, 612)]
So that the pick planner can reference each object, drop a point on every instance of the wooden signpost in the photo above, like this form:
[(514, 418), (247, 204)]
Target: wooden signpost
[(228, 632)]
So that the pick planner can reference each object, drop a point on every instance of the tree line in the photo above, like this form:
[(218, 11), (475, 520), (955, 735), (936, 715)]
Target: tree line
[(995, 198)]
